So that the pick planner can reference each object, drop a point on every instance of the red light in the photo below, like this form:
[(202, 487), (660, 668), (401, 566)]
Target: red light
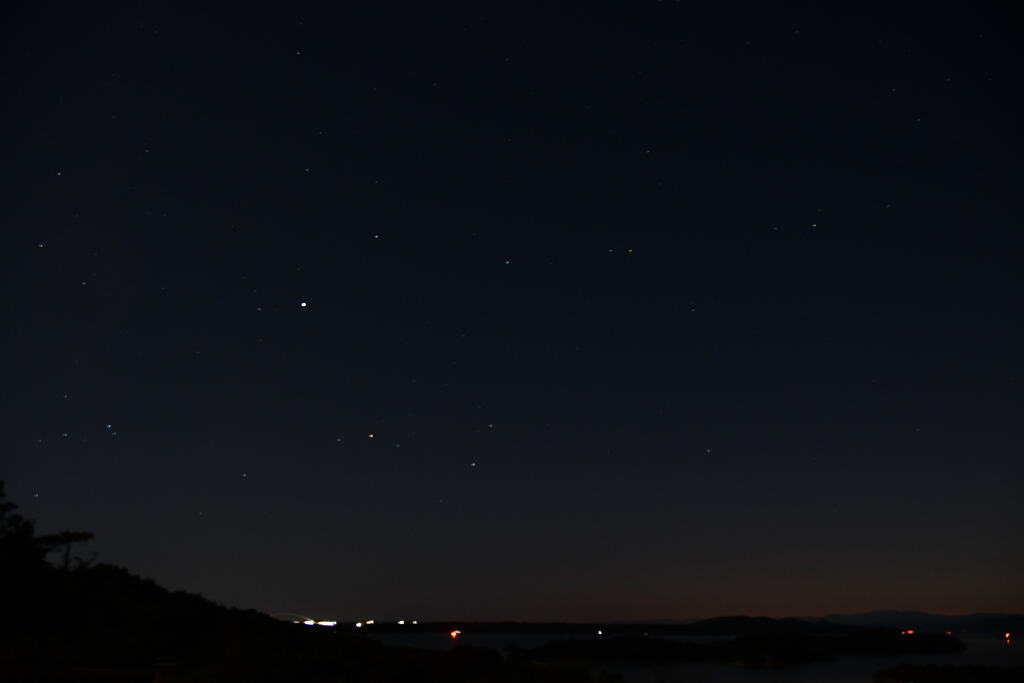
[(910, 631), (455, 634)]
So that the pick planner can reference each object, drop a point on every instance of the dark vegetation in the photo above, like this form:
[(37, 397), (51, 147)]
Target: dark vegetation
[(73, 620)]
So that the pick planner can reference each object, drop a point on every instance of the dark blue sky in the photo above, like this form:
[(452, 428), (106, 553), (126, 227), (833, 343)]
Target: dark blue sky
[(651, 310)]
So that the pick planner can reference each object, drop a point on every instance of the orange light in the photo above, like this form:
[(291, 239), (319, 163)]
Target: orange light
[(455, 634), (1006, 635), (910, 631)]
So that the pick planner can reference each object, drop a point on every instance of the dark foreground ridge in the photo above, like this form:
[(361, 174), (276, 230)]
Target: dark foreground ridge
[(68, 619), (75, 621)]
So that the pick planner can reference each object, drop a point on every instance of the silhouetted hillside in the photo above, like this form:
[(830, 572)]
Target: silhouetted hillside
[(78, 622), (66, 619)]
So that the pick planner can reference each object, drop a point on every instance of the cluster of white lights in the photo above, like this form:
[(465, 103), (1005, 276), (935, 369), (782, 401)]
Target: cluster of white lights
[(311, 622)]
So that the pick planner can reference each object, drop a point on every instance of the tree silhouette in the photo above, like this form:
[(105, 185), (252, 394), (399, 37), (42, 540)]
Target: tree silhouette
[(22, 551), (62, 541), (18, 546)]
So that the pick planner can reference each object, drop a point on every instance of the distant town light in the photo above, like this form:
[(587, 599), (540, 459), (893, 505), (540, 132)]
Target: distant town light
[(309, 622), (369, 622), (455, 634), (326, 623), (359, 624), (414, 622), (600, 633), (401, 622)]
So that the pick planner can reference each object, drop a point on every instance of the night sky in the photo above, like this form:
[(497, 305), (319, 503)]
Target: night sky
[(547, 311)]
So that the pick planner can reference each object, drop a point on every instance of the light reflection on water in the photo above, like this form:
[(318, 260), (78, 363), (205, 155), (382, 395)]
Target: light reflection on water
[(980, 652)]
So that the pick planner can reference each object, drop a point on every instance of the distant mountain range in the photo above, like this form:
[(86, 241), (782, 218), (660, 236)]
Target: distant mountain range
[(971, 625)]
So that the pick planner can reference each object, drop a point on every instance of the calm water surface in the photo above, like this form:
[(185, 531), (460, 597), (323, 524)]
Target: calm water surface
[(980, 652)]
